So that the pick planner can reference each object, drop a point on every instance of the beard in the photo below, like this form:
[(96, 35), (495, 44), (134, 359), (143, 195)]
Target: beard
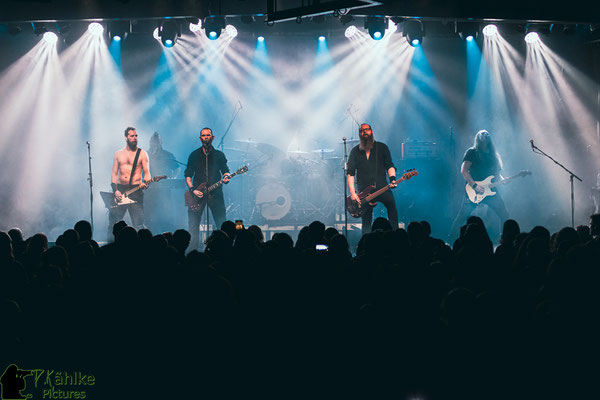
[(366, 142), (132, 145)]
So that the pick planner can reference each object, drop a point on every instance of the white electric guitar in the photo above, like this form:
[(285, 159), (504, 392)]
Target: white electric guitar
[(487, 186), (110, 200)]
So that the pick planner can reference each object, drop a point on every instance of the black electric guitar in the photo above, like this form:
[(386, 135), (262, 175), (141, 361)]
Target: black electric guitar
[(110, 200), (196, 203), (367, 195), (487, 186)]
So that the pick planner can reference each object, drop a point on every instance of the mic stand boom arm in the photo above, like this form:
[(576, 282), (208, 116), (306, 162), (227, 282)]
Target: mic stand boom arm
[(571, 176)]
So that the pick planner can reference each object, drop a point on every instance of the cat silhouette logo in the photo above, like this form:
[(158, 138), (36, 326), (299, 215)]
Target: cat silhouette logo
[(13, 382)]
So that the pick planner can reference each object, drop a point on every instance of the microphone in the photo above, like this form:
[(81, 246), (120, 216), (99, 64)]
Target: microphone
[(532, 145), (240, 103), (87, 142), (344, 138)]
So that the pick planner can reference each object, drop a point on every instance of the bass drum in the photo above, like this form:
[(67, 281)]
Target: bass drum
[(273, 201)]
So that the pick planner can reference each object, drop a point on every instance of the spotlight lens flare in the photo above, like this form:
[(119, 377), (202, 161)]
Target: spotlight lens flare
[(261, 38), (469, 38), (50, 37), (350, 31), (196, 27), (168, 43), (532, 37), (490, 30), (415, 42), (117, 38), (95, 28), (212, 35), (321, 38), (231, 31), (377, 35), (155, 34)]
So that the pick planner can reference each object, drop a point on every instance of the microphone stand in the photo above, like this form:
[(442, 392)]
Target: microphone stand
[(571, 176), (235, 113), (91, 186), (345, 188)]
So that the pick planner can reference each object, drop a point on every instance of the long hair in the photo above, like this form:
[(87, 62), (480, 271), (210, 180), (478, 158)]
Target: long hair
[(484, 136)]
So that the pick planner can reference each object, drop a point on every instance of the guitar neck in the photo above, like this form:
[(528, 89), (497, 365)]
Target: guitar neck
[(217, 184), (506, 180), (132, 190)]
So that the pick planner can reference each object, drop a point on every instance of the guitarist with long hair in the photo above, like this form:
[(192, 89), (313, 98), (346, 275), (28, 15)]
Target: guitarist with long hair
[(479, 162), (128, 165), (206, 165), (370, 162)]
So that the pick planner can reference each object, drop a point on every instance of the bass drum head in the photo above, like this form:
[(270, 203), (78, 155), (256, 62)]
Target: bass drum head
[(274, 201)]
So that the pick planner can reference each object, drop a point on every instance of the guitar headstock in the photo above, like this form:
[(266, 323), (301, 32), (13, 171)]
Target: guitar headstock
[(409, 174), (242, 170), (158, 178), (524, 173)]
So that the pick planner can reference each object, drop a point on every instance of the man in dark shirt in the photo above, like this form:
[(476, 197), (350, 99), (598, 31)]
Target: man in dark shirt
[(479, 162), (369, 162), (206, 165)]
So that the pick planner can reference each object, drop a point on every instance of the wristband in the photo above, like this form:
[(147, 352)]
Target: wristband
[(392, 178), (191, 190), (114, 187)]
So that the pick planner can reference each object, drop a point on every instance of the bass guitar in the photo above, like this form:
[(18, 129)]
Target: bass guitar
[(110, 200), (367, 195), (487, 186), (196, 203)]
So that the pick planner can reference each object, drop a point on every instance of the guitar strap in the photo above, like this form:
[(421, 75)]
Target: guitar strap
[(135, 160)]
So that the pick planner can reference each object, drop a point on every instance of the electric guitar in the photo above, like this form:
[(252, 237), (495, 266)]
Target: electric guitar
[(196, 203), (110, 200), (370, 193), (487, 186)]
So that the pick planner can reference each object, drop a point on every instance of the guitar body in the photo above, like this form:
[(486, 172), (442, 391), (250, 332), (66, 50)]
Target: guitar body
[(354, 208), (477, 197), (110, 201), (193, 202)]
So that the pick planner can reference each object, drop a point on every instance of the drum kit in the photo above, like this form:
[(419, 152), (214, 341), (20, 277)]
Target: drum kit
[(293, 187)]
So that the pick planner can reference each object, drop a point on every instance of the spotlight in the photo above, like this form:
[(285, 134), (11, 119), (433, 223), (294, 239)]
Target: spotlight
[(95, 29), (156, 34), (213, 26), (350, 31), (231, 31), (321, 38), (376, 27), (414, 32), (119, 30), (169, 32), (261, 38), (467, 30), (490, 30), (532, 37), (196, 25), (50, 37)]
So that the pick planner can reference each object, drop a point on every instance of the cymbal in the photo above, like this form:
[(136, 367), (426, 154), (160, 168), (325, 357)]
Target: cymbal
[(297, 152), (248, 141), (333, 158), (323, 151), (232, 149), (350, 141)]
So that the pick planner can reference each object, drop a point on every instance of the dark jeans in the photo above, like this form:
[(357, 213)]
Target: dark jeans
[(136, 212), (387, 199), (496, 203), (216, 204)]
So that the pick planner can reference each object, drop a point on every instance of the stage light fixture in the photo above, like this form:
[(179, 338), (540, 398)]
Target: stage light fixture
[(490, 30), (231, 31), (532, 37), (213, 26), (119, 30), (50, 37), (195, 25), (350, 31), (261, 38), (321, 38), (376, 27), (467, 30), (169, 31), (95, 29), (155, 34), (414, 32)]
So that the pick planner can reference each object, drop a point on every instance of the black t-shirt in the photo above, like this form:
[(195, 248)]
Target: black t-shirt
[(162, 162), (373, 170), (196, 166), (482, 164)]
